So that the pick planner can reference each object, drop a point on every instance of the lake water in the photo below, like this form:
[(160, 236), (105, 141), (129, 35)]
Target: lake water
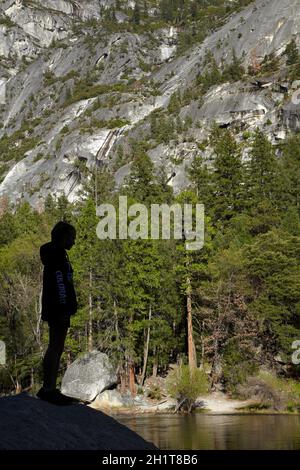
[(216, 432)]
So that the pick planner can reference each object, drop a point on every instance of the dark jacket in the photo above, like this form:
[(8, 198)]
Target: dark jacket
[(58, 297)]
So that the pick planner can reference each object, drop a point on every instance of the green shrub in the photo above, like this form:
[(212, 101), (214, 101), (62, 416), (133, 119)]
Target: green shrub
[(154, 393), (293, 389), (47, 113), (186, 385), (84, 90), (271, 391), (3, 169), (16, 145), (144, 66), (49, 78), (6, 21), (70, 75), (37, 157), (238, 364), (65, 129), (247, 135)]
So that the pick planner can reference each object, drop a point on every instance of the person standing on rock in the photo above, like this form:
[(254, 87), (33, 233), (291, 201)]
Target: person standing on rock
[(58, 304)]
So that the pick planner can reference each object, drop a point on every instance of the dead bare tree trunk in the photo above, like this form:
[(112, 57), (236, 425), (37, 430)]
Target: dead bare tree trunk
[(121, 371), (39, 322), (116, 321), (202, 347), (122, 375), (155, 365), (18, 387), (146, 350), (191, 344), (132, 387), (90, 322), (217, 366)]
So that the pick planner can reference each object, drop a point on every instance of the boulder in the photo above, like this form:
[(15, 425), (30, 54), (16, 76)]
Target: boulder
[(27, 423), (143, 406), (167, 405), (88, 376), (112, 399)]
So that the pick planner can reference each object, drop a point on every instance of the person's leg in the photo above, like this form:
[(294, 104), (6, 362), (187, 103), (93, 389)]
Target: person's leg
[(57, 336)]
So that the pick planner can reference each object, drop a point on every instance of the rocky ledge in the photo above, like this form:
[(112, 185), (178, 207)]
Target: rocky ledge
[(27, 423)]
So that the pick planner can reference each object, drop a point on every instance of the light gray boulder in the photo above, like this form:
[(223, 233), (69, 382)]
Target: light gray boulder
[(112, 399), (167, 405), (88, 376)]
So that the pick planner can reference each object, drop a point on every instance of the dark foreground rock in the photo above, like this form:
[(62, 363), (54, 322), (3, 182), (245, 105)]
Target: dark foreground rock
[(28, 423)]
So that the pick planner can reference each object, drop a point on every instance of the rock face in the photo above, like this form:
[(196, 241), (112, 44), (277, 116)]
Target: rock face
[(291, 116), (27, 423), (88, 376), (49, 50)]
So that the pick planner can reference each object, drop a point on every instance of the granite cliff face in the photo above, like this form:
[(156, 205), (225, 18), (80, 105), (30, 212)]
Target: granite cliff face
[(72, 92)]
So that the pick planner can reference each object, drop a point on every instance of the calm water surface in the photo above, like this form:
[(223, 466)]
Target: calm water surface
[(216, 432)]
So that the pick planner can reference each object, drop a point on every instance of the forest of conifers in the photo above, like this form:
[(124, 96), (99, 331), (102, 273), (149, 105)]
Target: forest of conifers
[(244, 285)]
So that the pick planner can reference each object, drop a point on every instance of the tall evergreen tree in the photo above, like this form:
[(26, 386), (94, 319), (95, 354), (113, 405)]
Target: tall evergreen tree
[(272, 264), (227, 175), (141, 183), (292, 53), (201, 179), (263, 182), (136, 13), (290, 167)]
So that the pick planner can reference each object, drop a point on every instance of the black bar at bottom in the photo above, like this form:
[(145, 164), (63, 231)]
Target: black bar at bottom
[(138, 459)]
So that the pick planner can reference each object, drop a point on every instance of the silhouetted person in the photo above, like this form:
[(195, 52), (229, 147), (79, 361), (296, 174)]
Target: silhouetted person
[(58, 304)]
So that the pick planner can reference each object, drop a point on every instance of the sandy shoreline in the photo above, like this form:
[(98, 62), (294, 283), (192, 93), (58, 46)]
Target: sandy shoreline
[(215, 403)]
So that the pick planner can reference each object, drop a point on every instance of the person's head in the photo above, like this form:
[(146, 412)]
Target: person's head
[(63, 234)]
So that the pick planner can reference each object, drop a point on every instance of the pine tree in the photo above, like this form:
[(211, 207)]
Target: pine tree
[(227, 175), (291, 221), (201, 179), (263, 174), (8, 230), (85, 258), (167, 10), (272, 265), (141, 182), (26, 219), (292, 53), (290, 167), (136, 17), (194, 9), (190, 268), (234, 71), (174, 103)]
